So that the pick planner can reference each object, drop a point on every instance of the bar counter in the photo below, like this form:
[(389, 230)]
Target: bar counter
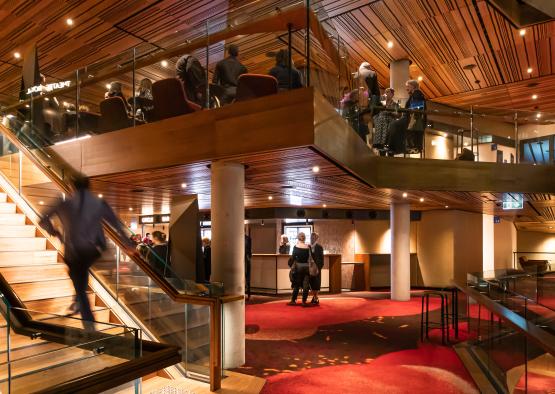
[(270, 273)]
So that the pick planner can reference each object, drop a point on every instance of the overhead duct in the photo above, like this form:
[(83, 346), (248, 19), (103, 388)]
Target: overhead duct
[(522, 13)]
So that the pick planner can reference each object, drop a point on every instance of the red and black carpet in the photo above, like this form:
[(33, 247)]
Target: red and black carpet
[(354, 343)]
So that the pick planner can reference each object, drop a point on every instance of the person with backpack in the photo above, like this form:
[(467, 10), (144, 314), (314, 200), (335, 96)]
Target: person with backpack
[(81, 217), (193, 77)]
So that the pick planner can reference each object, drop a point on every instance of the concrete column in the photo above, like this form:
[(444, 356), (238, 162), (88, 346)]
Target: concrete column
[(400, 251), (228, 252), (398, 75)]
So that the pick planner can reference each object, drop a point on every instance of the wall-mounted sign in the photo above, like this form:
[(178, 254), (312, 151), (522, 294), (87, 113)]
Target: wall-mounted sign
[(154, 219), (48, 88), (513, 201)]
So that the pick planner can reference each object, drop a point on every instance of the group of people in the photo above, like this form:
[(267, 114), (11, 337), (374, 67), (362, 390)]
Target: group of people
[(306, 263), (193, 75), (154, 249), (393, 133)]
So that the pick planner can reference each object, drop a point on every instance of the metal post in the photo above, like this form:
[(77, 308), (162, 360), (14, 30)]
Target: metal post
[(134, 82), (20, 173), (77, 98), (477, 145), (517, 156), (339, 66), (207, 60), (307, 43), (289, 57), (472, 128), (118, 258)]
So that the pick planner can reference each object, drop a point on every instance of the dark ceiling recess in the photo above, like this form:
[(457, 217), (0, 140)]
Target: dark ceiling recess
[(523, 13)]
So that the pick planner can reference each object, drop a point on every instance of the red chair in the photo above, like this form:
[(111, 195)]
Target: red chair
[(113, 115), (170, 99), (252, 86)]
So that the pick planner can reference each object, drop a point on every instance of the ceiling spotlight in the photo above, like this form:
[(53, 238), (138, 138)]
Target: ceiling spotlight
[(405, 195), (41, 202), (164, 63), (108, 86), (390, 44), (421, 199), (17, 55), (534, 97), (522, 32), (529, 71), (538, 115), (183, 185), (27, 106), (550, 227), (100, 196), (324, 205), (130, 208), (69, 22), (465, 144), (420, 78), (447, 206), (46, 99), (270, 198), (509, 137), (315, 169)]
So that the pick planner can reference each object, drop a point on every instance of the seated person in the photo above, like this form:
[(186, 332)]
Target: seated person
[(158, 255), (281, 72), (227, 74), (383, 119), (193, 77), (115, 90), (398, 128)]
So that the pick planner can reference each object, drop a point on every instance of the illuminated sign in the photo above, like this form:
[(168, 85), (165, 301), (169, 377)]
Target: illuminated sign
[(153, 219), (513, 201), (147, 219), (48, 88)]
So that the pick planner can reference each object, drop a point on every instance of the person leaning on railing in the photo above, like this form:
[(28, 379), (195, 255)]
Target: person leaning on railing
[(408, 121)]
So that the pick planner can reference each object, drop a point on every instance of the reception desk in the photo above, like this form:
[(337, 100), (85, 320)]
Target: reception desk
[(270, 274)]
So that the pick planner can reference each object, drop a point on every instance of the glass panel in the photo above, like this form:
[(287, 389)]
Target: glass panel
[(5, 317), (75, 354)]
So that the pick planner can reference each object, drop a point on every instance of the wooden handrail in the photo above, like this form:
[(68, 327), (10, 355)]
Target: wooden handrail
[(539, 336), (275, 21)]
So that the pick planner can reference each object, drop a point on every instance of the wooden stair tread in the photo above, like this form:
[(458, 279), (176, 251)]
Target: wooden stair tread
[(28, 274), (56, 306), (17, 230), (24, 258), (21, 244), (43, 290), (34, 347), (12, 218)]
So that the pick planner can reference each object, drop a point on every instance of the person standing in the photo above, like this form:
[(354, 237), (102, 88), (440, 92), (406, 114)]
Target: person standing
[(227, 72), (284, 247), (248, 257), (81, 217), (158, 255), (207, 258), (317, 253), (281, 72), (300, 276)]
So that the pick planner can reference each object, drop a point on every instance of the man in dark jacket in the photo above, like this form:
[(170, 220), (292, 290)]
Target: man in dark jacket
[(317, 254), (193, 77), (227, 72), (281, 72), (81, 217)]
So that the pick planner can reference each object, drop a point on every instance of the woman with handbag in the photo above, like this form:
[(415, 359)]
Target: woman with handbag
[(398, 128), (299, 274)]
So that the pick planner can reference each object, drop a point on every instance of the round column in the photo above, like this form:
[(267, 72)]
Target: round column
[(400, 251), (228, 252), (398, 76)]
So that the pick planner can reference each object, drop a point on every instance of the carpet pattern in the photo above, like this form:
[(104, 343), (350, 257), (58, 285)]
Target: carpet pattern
[(356, 343)]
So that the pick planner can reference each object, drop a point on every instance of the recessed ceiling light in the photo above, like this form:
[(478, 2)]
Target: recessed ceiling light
[(41, 202), (465, 144), (27, 106), (405, 195), (534, 97), (447, 206), (390, 44), (324, 205), (69, 22), (46, 99), (421, 199), (183, 185), (509, 137), (315, 169), (420, 78), (529, 71), (550, 226), (100, 196), (108, 86), (522, 32), (130, 208), (538, 115), (270, 198), (17, 55), (164, 63)]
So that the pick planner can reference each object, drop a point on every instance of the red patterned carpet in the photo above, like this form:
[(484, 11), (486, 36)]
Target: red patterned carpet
[(356, 343)]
